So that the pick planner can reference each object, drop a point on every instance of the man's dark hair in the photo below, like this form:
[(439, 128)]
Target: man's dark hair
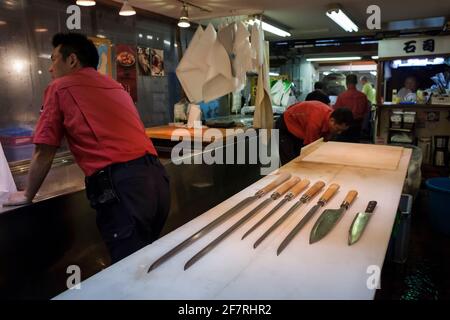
[(343, 116), (351, 79), (79, 45), (319, 85)]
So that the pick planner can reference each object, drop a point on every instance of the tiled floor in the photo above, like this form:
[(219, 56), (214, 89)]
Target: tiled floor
[(426, 273)]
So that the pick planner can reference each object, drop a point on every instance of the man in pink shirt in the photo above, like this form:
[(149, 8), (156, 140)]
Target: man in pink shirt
[(358, 103), (125, 182)]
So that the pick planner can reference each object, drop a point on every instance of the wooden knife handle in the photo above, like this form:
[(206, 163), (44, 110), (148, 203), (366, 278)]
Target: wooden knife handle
[(371, 206), (314, 190), (332, 189), (351, 196), (299, 187), (282, 178), (287, 185)]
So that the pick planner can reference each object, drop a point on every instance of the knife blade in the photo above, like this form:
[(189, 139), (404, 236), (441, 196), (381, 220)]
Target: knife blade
[(299, 187), (225, 216), (360, 222), (277, 194), (329, 218), (332, 189), (304, 199)]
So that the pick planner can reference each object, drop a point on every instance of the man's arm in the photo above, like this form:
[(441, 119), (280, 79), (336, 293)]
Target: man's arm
[(41, 163)]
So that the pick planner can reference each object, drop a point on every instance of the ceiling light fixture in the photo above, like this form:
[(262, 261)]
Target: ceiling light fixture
[(333, 59), (127, 10), (337, 15), (86, 3), (184, 18), (374, 57), (2, 23), (270, 28)]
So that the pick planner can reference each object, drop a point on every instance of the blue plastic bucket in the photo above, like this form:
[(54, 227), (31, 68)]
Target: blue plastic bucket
[(439, 203)]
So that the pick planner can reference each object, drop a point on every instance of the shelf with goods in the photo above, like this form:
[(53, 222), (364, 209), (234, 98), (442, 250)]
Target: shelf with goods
[(402, 127)]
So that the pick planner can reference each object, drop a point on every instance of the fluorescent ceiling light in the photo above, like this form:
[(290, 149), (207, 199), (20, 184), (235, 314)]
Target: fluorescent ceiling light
[(270, 28), (333, 59), (45, 56), (417, 62), (274, 74), (127, 10), (326, 73), (374, 73), (86, 3), (375, 57), (167, 42), (338, 16)]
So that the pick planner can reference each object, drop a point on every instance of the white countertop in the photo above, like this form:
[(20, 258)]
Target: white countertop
[(329, 269)]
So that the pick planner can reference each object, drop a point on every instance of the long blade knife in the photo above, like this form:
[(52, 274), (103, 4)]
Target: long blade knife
[(360, 222), (277, 194), (304, 199), (225, 216), (330, 217), (332, 189), (299, 187)]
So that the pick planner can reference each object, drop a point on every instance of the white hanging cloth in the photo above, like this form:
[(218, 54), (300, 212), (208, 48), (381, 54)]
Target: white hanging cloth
[(191, 71), (243, 56), (205, 69), (7, 183), (263, 117), (219, 79), (226, 36)]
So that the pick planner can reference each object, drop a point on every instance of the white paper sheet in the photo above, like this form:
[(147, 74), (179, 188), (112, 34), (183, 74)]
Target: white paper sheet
[(7, 183), (243, 56), (219, 80), (191, 71)]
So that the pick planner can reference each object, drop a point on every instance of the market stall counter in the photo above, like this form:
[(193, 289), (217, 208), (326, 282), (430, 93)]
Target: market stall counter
[(233, 269), (39, 241)]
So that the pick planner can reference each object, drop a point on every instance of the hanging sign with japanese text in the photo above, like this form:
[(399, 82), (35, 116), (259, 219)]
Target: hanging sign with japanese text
[(404, 47)]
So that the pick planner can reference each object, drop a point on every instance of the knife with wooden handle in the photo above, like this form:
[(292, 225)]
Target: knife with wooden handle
[(291, 195), (331, 191), (225, 216)]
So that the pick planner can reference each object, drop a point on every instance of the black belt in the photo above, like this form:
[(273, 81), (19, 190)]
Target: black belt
[(148, 159)]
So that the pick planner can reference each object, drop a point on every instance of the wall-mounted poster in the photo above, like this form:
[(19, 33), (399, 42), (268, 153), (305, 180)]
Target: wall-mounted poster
[(157, 57), (144, 60), (105, 55), (126, 69)]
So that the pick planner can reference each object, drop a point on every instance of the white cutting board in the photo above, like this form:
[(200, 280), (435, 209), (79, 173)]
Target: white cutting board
[(357, 155)]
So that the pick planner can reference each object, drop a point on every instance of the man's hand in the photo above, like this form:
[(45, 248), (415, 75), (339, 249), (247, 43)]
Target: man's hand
[(16, 199)]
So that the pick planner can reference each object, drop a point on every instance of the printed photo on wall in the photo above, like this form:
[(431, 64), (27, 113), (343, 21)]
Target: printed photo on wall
[(144, 59), (104, 53), (126, 68), (157, 57)]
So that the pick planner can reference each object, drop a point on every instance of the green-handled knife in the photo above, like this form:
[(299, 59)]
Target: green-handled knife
[(360, 222)]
